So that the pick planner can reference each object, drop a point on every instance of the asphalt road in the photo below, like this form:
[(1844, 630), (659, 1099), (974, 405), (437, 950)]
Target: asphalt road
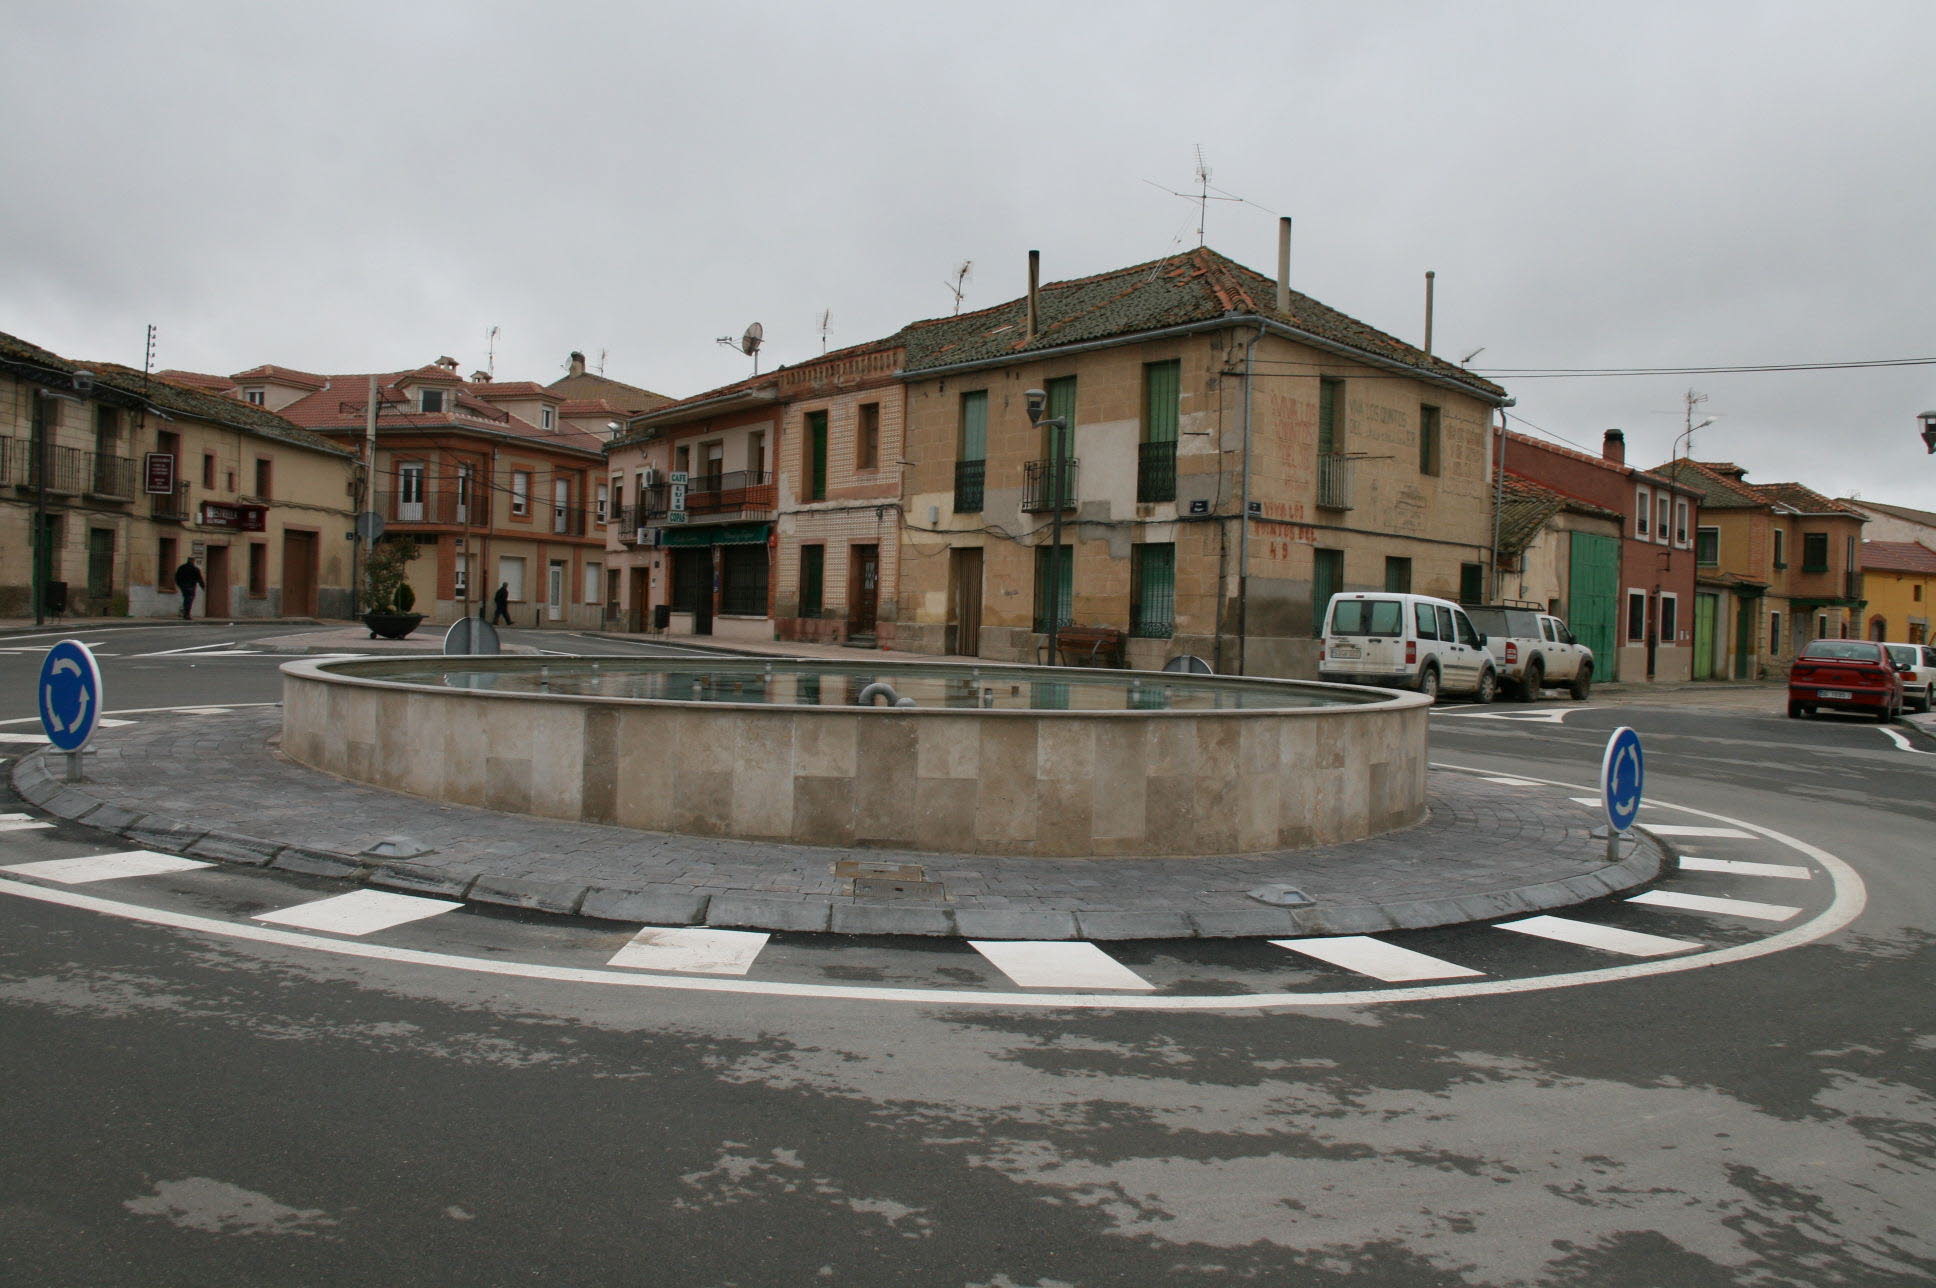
[(191, 1108)]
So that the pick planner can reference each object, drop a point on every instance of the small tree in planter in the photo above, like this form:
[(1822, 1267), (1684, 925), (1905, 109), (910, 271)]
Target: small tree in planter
[(388, 598)]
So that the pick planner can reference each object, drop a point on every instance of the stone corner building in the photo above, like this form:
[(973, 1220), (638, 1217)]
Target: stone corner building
[(1237, 453)]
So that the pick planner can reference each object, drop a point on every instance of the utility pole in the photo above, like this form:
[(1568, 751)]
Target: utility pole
[(43, 557)]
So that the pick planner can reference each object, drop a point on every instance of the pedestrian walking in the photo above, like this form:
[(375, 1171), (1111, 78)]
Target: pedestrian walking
[(503, 602), (188, 580)]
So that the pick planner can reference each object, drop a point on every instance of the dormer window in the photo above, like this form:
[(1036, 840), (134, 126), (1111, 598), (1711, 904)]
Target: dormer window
[(254, 397), (430, 400), (547, 418)]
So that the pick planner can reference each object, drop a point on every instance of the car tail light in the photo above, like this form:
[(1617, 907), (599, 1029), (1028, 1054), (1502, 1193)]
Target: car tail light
[(1411, 652), (1512, 652)]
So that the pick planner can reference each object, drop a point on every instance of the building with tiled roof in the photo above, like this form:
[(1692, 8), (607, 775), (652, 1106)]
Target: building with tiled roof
[(579, 383), (1899, 584), (1790, 555), (142, 472), (1537, 527), (1892, 522)]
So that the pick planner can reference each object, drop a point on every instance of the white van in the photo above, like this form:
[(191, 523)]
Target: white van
[(1397, 641)]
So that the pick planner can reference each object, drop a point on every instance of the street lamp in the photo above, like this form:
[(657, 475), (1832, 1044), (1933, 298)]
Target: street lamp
[(1928, 420), (1058, 427)]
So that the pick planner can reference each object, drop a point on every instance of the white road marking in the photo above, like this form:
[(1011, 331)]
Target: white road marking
[(106, 723), (192, 648), (149, 711), (1589, 934), (1679, 829), (1742, 868), (7, 736), (1594, 802), (105, 867), (1556, 716), (204, 711), (1708, 903), (360, 912), (1513, 782), (22, 823), (1901, 740), (1376, 958), (1055, 963), (692, 948), (211, 652)]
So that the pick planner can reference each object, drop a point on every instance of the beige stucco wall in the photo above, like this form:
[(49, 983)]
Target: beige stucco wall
[(1002, 782)]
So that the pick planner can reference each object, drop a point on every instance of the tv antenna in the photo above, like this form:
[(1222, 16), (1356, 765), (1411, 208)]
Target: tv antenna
[(1202, 195), (1467, 360), (1690, 404), (490, 352), (748, 343), (826, 327), (957, 287), (601, 361)]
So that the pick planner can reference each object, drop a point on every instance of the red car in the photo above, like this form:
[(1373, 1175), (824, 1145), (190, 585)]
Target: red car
[(1847, 675)]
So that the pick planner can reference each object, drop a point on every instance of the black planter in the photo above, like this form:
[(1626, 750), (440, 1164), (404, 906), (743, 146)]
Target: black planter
[(392, 626)]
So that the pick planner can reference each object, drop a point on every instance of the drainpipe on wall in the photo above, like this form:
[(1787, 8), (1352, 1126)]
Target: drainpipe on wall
[(1034, 285), (1243, 518)]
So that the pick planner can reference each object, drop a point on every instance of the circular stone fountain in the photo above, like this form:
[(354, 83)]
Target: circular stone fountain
[(989, 760)]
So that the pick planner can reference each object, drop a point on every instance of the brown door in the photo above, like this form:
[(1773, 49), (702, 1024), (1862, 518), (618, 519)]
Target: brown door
[(299, 574), (217, 577), (863, 589), (964, 601), (641, 592)]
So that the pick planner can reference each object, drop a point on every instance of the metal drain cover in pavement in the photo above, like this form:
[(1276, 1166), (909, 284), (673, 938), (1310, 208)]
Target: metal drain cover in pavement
[(891, 888)]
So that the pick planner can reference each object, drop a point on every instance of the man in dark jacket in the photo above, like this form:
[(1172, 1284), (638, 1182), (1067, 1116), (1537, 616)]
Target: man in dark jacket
[(502, 600), (188, 580)]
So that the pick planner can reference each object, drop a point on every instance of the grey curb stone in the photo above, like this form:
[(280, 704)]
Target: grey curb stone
[(66, 802), (422, 880), (110, 817), (1118, 924), (159, 834), (891, 919), (31, 777), (528, 892), (1245, 923), (1014, 923), (1350, 919), (315, 863), (648, 907), (769, 912), (235, 849)]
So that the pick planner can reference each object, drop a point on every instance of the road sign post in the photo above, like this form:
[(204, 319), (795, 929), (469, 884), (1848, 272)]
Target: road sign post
[(69, 696), (1623, 780)]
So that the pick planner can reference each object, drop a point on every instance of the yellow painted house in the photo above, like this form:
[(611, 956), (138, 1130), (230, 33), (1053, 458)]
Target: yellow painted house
[(1898, 581)]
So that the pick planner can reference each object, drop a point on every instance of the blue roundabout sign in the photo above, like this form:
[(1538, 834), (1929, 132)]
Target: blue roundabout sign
[(69, 695), (1623, 778)]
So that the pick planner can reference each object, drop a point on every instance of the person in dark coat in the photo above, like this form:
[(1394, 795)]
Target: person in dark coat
[(502, 601), (188, 580)]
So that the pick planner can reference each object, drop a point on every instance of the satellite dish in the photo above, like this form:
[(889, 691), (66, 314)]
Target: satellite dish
[(750, 342)]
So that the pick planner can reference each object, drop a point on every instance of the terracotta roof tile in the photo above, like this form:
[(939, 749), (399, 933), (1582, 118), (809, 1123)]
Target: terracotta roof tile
[(1898, 556), (284, 375)]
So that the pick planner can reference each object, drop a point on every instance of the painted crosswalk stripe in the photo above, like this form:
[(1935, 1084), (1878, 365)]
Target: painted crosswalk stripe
[(106, 867), (192, 648), (1682, 829), (200, 711), (1588, 934), (1057, 964), (1376, 958), (1709, 903), (21, 823), (360, 912), (1743, 868), (692, 950), (1594, 802), (9, 735), (1512, 782)]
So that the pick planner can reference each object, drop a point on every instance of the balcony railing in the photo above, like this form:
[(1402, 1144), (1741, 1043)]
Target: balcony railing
[(969, 478), (170, 506), (70, 471), (439, 506), (730, 492), (1156, 472), (1334, 481), (1044, 487), (568, 520)]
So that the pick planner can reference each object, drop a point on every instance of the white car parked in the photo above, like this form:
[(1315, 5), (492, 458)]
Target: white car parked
[(1400, 641), (1533, 651), (1917, 662)]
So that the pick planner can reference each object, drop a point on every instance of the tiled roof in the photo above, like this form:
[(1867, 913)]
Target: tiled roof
[(173, 397), (269, 372), (628, 398), (340, 405), (512, 389), (1716, 481), (1893, 511), (1618, 467), (1196, 286), (199, 380), (588, 407), (430, 372), (1898, 556), (1525, 506), (1800, 497)]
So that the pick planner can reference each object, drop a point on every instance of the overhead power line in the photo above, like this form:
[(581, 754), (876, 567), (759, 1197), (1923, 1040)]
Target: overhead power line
[(1560, 373)]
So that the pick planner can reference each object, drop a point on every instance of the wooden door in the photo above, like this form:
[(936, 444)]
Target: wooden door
[(216, 592), (641, 593), (299, 574), (863, 589), (1593, 580), (1705, 635), (964, 601)]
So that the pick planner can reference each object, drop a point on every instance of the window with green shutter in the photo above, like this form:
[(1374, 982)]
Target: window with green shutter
[(1327, 579), (1472, 583), (1156, 462), (813, 571), (1059, 572), (1398, 574), (1707, 546), (1429, 443), (971, 452), (1062, 405), (816, 456), (1152, 590)]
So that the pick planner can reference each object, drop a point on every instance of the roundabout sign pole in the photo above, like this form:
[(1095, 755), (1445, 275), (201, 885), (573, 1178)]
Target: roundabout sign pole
[(1623, 779), (69, 696)]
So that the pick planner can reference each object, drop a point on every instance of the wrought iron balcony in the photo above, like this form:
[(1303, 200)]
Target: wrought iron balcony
[(969, 478), (1334, 481), (69, 471), (1156, 471), (447, 507), (171, 507), (729, 492), (1044, 487)]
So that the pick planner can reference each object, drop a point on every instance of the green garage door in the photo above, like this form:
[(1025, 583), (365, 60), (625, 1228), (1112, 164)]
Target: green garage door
[(1593, 579)]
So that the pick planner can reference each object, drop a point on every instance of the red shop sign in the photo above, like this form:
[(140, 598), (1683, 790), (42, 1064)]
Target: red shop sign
[(160, 470), (242, 518)]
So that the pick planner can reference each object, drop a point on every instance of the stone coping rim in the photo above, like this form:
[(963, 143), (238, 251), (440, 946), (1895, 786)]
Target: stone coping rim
[(1353, 698)]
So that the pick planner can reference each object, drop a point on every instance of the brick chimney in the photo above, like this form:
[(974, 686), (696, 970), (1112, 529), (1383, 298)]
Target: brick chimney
[(1614, 447), (577, 363)]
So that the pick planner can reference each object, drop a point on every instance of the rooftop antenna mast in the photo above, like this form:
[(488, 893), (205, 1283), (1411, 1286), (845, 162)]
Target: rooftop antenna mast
[(826, 327), (601, 360), (148, 362), (1203, 196), (490, 352), (957, 287)]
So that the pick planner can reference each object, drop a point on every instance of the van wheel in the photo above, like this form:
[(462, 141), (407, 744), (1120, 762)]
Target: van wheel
[(1488, 686), (1428, 682), (1535, 681), (1582, 683)]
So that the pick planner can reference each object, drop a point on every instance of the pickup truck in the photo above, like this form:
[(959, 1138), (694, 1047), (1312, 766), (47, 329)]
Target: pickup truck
[(1533, 651)]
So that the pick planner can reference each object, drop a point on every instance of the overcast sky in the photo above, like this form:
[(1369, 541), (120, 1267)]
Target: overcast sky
[(348, 187)]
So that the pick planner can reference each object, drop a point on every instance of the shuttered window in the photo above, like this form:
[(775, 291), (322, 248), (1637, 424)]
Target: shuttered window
[(1327, 579), (1156, 462), (1152, 605), (1059, 601), (816, 456), (813, 568)]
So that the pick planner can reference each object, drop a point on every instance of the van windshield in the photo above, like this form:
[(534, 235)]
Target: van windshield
[(1506, 623), (1366, 617)]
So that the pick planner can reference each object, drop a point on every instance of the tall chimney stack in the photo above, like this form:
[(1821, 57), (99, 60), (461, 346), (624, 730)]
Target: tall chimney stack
[(577, 363), (1614, 447), (1035, 283), (1284, 264), (1430, 277)]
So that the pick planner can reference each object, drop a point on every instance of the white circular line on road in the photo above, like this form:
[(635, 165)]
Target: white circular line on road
[(149, 711), (1850, 896)]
